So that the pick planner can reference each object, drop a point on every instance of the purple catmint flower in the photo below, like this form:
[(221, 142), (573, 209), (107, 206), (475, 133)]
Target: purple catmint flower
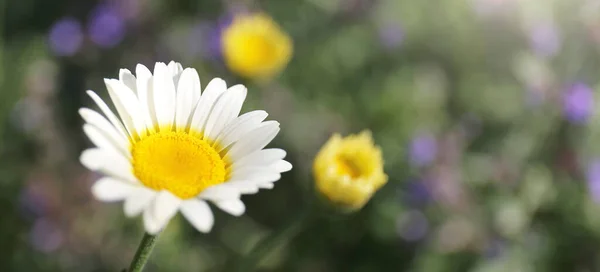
[(65, 37), (578, 103), (422, 150), (106, 26)]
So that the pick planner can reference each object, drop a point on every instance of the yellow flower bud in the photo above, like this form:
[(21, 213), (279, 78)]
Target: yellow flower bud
[(349, 170), (255, 47)]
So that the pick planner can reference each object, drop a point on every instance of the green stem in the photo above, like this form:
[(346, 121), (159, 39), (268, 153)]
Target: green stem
[(143, 252), (265, 246)]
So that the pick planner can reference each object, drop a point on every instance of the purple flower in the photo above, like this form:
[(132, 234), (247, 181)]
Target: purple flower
[(593, 180), (33, 202), (391, 36), (412, 226), (416, 193), (494, 249), (106, 27), (46, 236), (544, 39), (423, 150), (205, 38), (578, 103), (65, 37)]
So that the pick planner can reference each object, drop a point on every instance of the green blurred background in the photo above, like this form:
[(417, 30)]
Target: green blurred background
[(485, 111)]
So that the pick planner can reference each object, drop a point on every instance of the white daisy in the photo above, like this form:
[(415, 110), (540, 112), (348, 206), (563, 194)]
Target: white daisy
[(173, 148)]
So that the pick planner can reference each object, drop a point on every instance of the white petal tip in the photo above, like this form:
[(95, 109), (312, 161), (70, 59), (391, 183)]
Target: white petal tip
[(83, 112), (283, 166), (89, 159), (109, 190), (234, 207), (267, 186)]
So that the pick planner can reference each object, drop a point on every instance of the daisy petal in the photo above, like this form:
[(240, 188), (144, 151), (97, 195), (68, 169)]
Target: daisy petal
[(137, 201), (101, 140), (256, 174), (244, 187), (239, 127), (152, 225), (92, 158), (128, 79), (266, 185), (261, 157), (175, 70), (188, 94), (109, 163), (226, 108), (164, 96), (282, 166), (143, 82), (108, 113), (165, 206), (214, 89), (110, 190), (219, 192), (254, 140), (234, 207), (198, 214), (127, 105), (95, 119)]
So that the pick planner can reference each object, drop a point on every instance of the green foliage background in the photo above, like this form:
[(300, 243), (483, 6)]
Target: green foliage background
[(506, 190)]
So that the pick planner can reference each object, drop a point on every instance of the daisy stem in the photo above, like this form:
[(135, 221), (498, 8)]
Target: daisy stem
[(143, 252)]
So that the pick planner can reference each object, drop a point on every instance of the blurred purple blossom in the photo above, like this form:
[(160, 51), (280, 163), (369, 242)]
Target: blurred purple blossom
[(106, 26), (544, 39), (214, 45), (412, 226), (46, 236), (494, 249), (391, 35), (33, 202), (65, 37), (205, 38), (578, 103), (423, 150), (593, 180), (416, 193)]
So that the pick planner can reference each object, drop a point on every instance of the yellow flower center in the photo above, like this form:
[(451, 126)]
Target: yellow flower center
[(179, 162), (347, 166)]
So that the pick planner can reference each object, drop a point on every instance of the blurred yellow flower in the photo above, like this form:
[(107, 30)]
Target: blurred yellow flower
[(349, 170), (255, 47)]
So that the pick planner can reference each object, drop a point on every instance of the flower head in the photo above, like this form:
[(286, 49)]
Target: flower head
[(172, 148), (391, 36), (65, 37), (107, 27), (423, 150), (578, 103), (545, 40), (593, 180), (349, 170), (255, 47)]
